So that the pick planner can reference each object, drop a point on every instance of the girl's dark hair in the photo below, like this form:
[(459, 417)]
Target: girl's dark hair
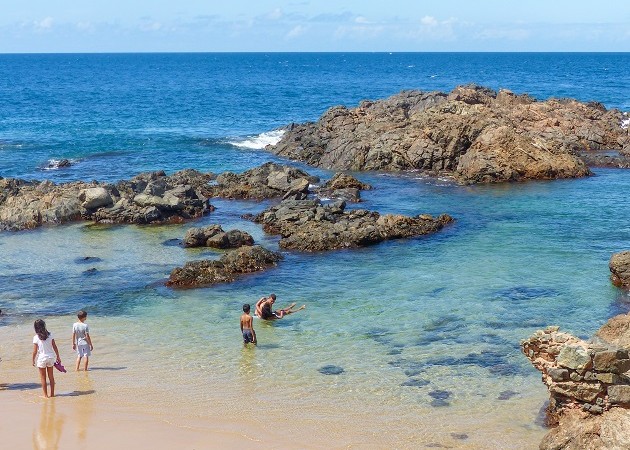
[(40, 329)]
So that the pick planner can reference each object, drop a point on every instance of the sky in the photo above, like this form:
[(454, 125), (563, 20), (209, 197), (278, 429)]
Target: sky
[(60, 26)]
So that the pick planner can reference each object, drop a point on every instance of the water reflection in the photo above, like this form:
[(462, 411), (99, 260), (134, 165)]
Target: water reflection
[(48, 433)]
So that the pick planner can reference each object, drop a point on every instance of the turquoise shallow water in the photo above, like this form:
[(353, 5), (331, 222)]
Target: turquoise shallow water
[(426, 330)]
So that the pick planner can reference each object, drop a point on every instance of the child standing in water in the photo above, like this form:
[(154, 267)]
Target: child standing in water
[(45, 349), (247, 326), (81, 340)]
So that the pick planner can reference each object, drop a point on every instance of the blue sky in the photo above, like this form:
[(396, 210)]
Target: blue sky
[(314, 25)]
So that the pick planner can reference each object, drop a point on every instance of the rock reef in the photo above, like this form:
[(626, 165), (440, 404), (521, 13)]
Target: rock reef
[(227, 269), (589, 385), (265, 182), (149, 198), (472, 133), (309, 225), (214, 236)]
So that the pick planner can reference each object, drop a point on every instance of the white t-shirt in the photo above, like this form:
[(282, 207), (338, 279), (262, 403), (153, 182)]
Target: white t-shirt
[(80, 330), (45, 348)]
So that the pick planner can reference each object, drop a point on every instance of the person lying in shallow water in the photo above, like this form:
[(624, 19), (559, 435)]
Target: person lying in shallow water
[(264, 309)]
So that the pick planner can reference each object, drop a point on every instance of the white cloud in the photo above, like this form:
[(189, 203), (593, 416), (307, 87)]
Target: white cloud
[(151, 26), (359, 32), (361, 19), (432, 29), (429, 21), (276, 14), (44, 24), (297, 31), (513, 34), (84, 26)]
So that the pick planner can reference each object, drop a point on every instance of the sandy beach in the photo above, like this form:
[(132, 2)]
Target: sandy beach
[(132, 399)]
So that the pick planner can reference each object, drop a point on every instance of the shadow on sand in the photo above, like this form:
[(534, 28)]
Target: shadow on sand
[(106, 368), (76, 393), (19, 386)]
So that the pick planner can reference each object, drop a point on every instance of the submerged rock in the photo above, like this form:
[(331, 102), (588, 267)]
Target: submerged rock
[(228, 268), (473, 134), (309, 225), (331, 370)]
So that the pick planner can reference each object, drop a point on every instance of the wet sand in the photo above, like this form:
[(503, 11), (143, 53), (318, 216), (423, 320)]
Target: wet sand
[(178, 396)]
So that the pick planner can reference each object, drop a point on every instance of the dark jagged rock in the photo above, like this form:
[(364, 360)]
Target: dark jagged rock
[(214, 236), (473, 134), (267, 181), (309, 225), (149, 198), (228, 268), (343, 187)]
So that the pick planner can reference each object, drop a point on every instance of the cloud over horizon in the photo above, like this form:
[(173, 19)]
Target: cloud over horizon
[(304, 26)]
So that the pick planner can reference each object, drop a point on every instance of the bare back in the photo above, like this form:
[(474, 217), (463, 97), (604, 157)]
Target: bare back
[(246, 321)]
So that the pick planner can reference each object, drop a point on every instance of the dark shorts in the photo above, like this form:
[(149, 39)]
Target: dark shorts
[(248, 336), (267, 314)]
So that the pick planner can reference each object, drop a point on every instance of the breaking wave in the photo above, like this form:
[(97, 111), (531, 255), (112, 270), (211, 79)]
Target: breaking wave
[(260, 141)]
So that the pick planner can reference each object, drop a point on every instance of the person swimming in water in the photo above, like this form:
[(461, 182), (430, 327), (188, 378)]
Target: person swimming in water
[(265, 311)]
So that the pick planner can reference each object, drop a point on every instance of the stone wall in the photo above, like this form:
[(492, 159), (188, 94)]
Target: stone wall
[(592, 376)]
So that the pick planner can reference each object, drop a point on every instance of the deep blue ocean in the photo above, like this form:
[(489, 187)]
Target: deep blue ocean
[(519, 257)]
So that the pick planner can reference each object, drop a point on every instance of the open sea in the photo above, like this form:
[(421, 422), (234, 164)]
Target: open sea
[(426, 330)]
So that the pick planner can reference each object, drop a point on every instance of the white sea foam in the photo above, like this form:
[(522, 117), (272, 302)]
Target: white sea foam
[(625, 123), (260, 141)]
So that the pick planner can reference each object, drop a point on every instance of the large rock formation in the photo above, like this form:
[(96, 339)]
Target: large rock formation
[(214, 236), (267, 181), (620, 269), (589, 385), (473, 134), (228, 268), (146, 198), (309, 225)]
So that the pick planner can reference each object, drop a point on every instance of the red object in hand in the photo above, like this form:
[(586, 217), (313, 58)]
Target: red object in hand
[(60, 367)]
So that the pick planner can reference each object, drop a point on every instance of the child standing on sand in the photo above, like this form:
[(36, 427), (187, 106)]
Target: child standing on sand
[(247, 326), (81, 340), (45, 349)]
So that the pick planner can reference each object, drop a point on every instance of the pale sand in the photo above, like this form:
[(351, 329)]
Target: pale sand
[(137, 395), (71, 421)]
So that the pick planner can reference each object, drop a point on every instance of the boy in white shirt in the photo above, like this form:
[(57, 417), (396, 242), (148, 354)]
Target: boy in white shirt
[(81, 340)]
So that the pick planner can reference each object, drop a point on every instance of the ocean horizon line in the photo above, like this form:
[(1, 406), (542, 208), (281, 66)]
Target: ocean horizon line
[(323, 53)]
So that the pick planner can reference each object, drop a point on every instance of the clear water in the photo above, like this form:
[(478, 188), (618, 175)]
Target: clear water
[(405, 319)]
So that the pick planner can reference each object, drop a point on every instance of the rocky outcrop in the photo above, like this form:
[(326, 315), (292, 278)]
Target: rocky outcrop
[(616, 331), (228, 268), (579, 430), (473, 134), (589, 385), (620, 269), (309, 225), (214, 236), (267, 181), (149, 198), (343, 187)]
